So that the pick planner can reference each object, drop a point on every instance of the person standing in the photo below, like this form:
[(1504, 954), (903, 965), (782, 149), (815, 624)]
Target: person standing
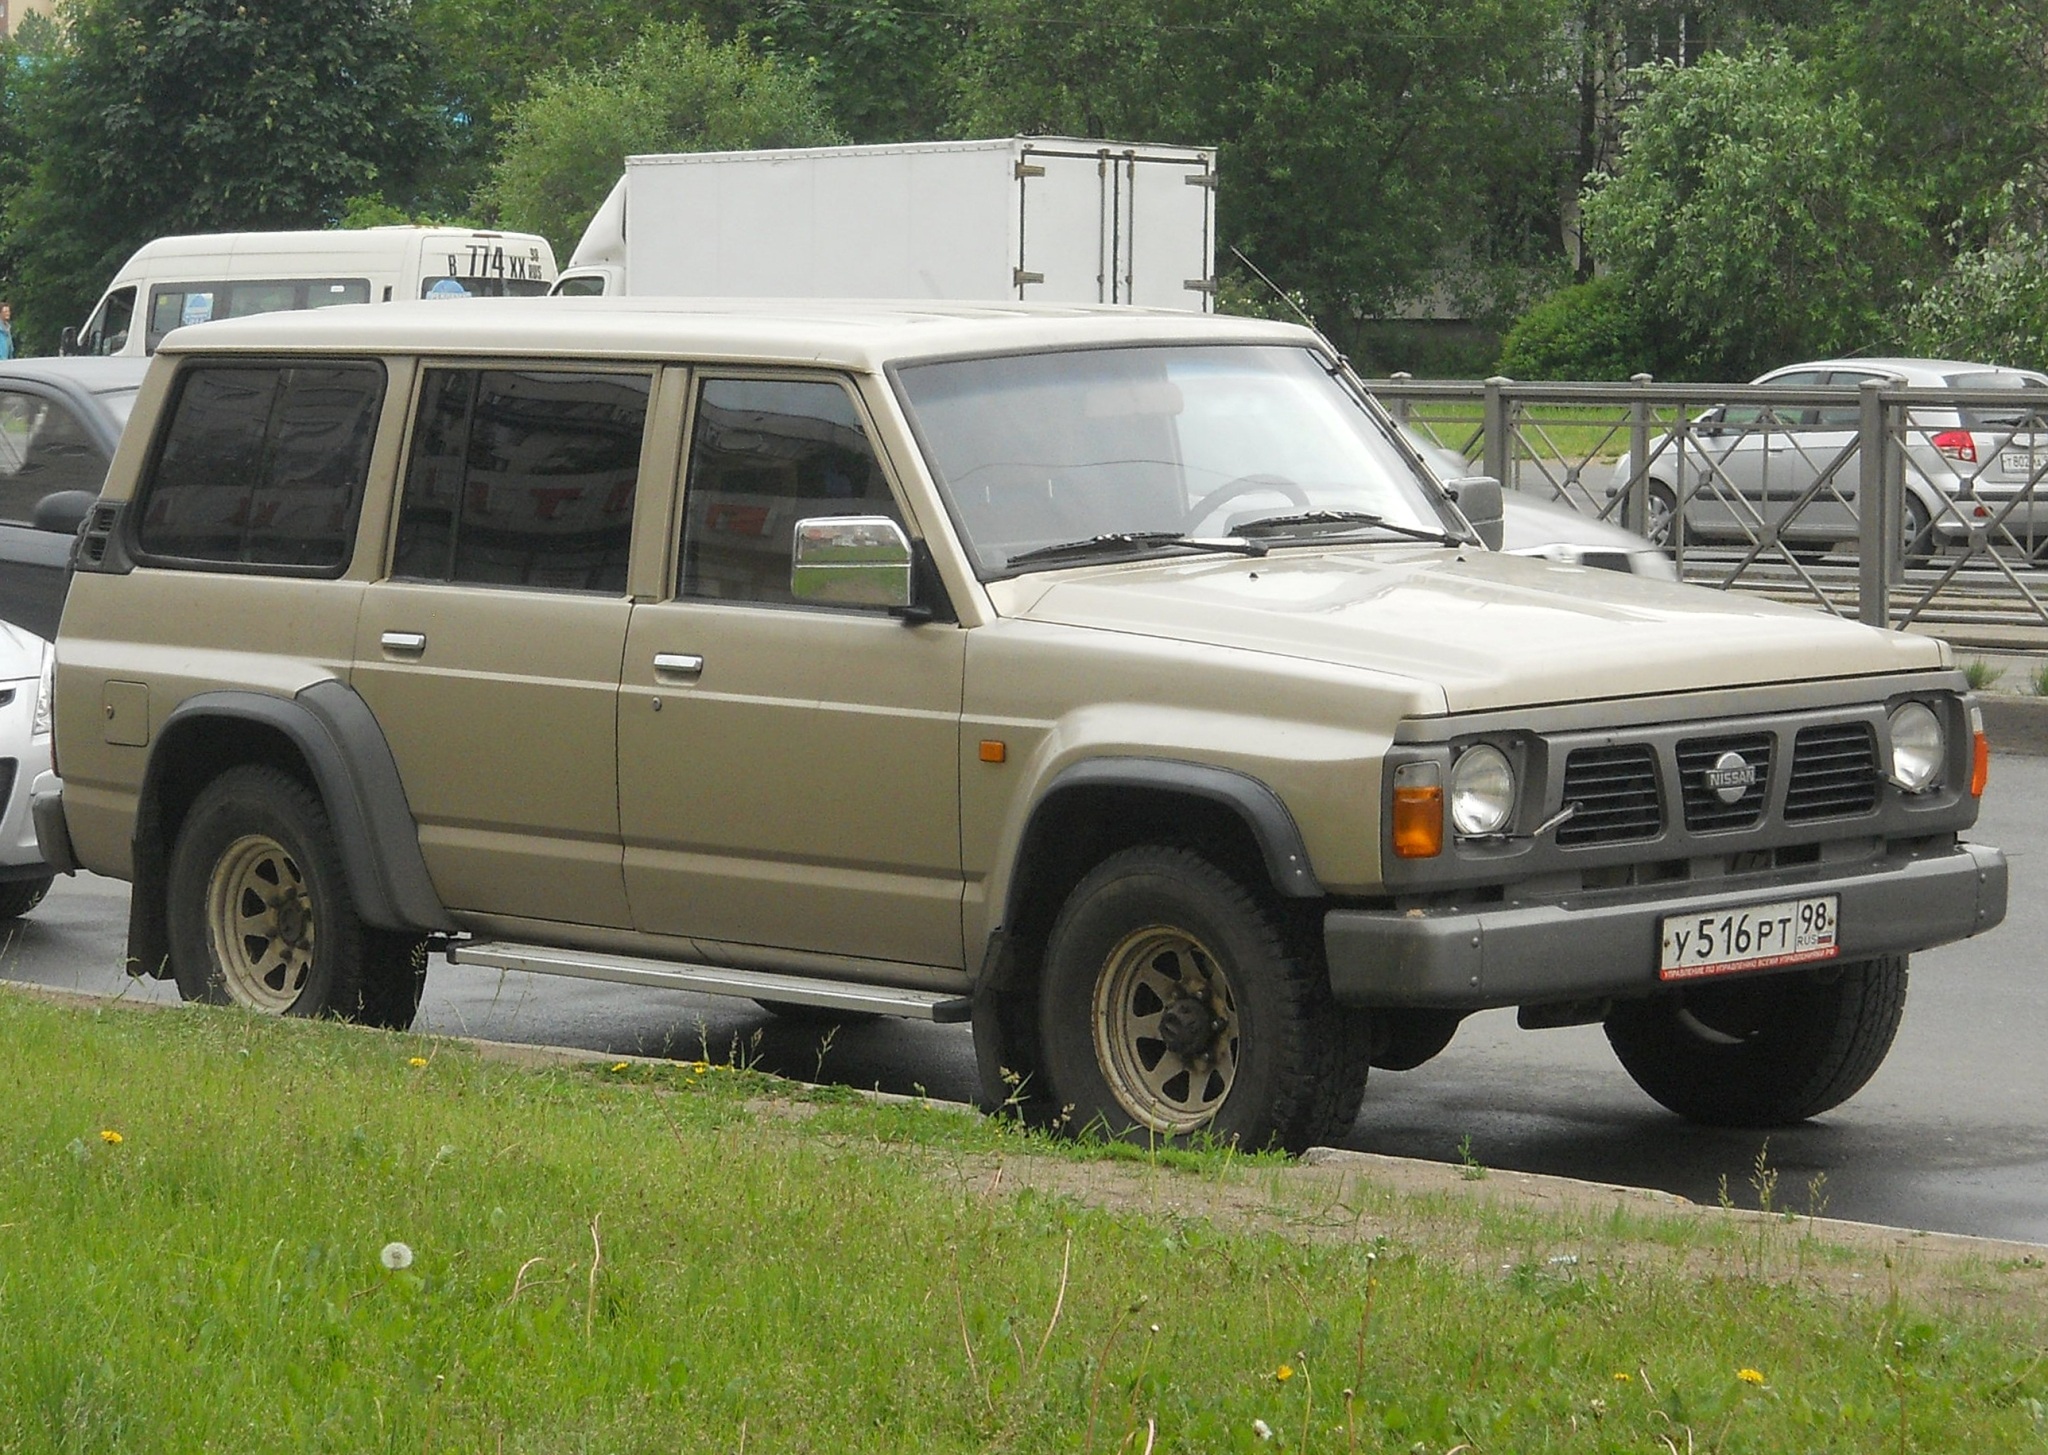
[(6, 330)]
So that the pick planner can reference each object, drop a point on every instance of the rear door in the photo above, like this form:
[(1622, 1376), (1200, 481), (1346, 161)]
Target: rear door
[(490, 652), (1116, 225)]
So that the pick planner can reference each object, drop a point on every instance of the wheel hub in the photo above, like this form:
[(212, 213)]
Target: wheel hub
[(260, 923), (1166, 1029), (1188, 1027)]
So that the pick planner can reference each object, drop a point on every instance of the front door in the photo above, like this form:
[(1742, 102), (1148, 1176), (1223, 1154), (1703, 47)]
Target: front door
[(491, 653), (788, 774)]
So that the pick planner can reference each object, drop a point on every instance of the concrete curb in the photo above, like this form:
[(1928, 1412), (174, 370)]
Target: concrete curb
[(2015, 724)]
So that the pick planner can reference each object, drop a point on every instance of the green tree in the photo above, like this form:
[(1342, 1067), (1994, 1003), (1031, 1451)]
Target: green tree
[(1365, 145), (166, 116), (884, 70), (1751, 219), (674, 91)]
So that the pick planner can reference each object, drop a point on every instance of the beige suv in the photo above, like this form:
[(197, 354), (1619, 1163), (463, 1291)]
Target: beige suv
[(1118, 681)]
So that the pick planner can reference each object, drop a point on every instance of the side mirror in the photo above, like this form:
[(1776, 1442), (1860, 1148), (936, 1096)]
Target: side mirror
[(851, 560), (62, 511), (1478, 498), (68, 341)]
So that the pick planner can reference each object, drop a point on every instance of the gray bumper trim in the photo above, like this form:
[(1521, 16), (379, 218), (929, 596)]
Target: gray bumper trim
[(1529, 954), (53, 835)]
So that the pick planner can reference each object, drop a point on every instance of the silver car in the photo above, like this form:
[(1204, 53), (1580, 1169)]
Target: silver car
[(1748, 468)]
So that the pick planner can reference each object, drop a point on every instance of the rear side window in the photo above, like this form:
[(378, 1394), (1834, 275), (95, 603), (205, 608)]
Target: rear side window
[(521, 477), (262, 465), (173, 305)]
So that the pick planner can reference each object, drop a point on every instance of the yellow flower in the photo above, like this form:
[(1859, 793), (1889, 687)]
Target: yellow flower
[(1621, 1376), (111, 1137), (700, 1067), (1284, 1373), (417, 1061), (619, 1066), (1749, 1376)]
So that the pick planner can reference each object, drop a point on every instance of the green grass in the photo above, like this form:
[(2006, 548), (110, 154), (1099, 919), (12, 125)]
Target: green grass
[(671, 1258)]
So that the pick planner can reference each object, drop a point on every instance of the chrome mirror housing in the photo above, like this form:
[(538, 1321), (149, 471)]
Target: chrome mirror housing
[(851, 560)]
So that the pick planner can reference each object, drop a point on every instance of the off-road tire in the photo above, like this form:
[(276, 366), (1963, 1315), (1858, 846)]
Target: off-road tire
[(1766, 1051), (1268, 1059), (260, 913), (19, 896)]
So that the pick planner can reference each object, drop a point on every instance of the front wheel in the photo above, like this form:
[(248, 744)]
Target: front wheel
[(1177, 1003), (1763, 1052), (260, 913)]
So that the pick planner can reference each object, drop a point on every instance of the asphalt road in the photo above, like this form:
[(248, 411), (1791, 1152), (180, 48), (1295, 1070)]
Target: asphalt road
[(1951, 1135)]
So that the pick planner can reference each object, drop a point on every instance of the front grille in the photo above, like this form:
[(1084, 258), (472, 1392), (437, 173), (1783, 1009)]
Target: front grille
[(1834, 772), (1705, 809), (1615, 793)]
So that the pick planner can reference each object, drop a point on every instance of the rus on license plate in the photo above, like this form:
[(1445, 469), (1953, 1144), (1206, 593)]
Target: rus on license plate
[(2016, 462), (1753, 937)]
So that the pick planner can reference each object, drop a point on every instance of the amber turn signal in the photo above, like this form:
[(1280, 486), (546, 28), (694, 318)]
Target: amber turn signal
[(994, 750), (1419, 822), (1980, 764)]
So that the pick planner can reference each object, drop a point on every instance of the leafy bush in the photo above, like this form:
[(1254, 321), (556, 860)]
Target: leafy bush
[(1584, 331), (1991, 305), (674, 91), (1750, 204)]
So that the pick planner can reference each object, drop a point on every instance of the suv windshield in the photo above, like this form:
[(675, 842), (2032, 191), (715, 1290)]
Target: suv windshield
[(1152, 449)]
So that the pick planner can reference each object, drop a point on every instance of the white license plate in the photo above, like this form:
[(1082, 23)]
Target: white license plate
[(2016, 462), (1754, 937)]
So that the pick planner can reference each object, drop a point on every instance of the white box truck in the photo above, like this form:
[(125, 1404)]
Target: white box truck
[(1044, 219), (199, 277)]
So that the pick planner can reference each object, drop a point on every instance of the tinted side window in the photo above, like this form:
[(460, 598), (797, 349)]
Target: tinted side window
[(523, 478), (173, 305), (767, 453), (43, 447), (262, 465)]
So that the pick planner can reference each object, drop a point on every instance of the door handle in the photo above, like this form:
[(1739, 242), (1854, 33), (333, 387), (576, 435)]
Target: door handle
[(409, 643), (677, 664)]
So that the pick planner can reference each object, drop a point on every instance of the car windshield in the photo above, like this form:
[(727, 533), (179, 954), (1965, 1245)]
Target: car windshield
[(1052, 458)]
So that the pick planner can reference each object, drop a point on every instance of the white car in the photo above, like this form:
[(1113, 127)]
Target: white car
[(1747, 466), (1551, 529), (25, 662)]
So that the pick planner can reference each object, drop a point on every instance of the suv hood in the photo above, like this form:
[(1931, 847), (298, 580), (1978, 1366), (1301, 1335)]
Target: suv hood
[(1488, 630)]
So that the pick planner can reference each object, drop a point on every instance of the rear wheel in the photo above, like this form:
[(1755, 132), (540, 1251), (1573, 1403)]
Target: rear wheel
[(260, 913), (1766, 1051), (1916, 533), (1175, 1003)]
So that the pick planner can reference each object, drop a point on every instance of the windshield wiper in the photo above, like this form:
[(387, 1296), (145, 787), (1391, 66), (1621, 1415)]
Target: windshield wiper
[(1340, 522), (1126, 541)]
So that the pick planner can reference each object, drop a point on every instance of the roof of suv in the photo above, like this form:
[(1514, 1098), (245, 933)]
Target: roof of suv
[(850, 333)]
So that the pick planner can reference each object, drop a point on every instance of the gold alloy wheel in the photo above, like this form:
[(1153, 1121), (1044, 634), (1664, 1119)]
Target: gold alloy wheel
[(259, 923), (1166, 1029)]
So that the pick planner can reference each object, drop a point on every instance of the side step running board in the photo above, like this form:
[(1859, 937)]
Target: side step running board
[(924, 1005)]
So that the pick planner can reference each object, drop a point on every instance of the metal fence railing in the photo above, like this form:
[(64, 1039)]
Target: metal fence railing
[(1897, 506)]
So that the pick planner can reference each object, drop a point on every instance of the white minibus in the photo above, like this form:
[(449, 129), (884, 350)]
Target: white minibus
[(179, 280)]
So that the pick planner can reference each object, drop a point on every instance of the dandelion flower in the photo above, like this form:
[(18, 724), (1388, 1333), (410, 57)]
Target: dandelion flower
[(111, 1137), (417, 1061), (1622, 1376), (1284, 1373), (1750, 1376), (396, 1256), (1263, 1430), (618, 1065)]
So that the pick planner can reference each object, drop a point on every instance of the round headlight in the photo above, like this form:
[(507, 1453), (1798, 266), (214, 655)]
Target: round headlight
[(1482, 790), (1918, 746)]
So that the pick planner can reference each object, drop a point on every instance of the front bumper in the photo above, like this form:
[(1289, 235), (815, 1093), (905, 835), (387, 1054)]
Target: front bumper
[(1604, 945)]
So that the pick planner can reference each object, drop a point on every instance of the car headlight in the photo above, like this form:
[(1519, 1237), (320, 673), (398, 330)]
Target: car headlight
[(1482, 790), (1918, 746), (41, 726)]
